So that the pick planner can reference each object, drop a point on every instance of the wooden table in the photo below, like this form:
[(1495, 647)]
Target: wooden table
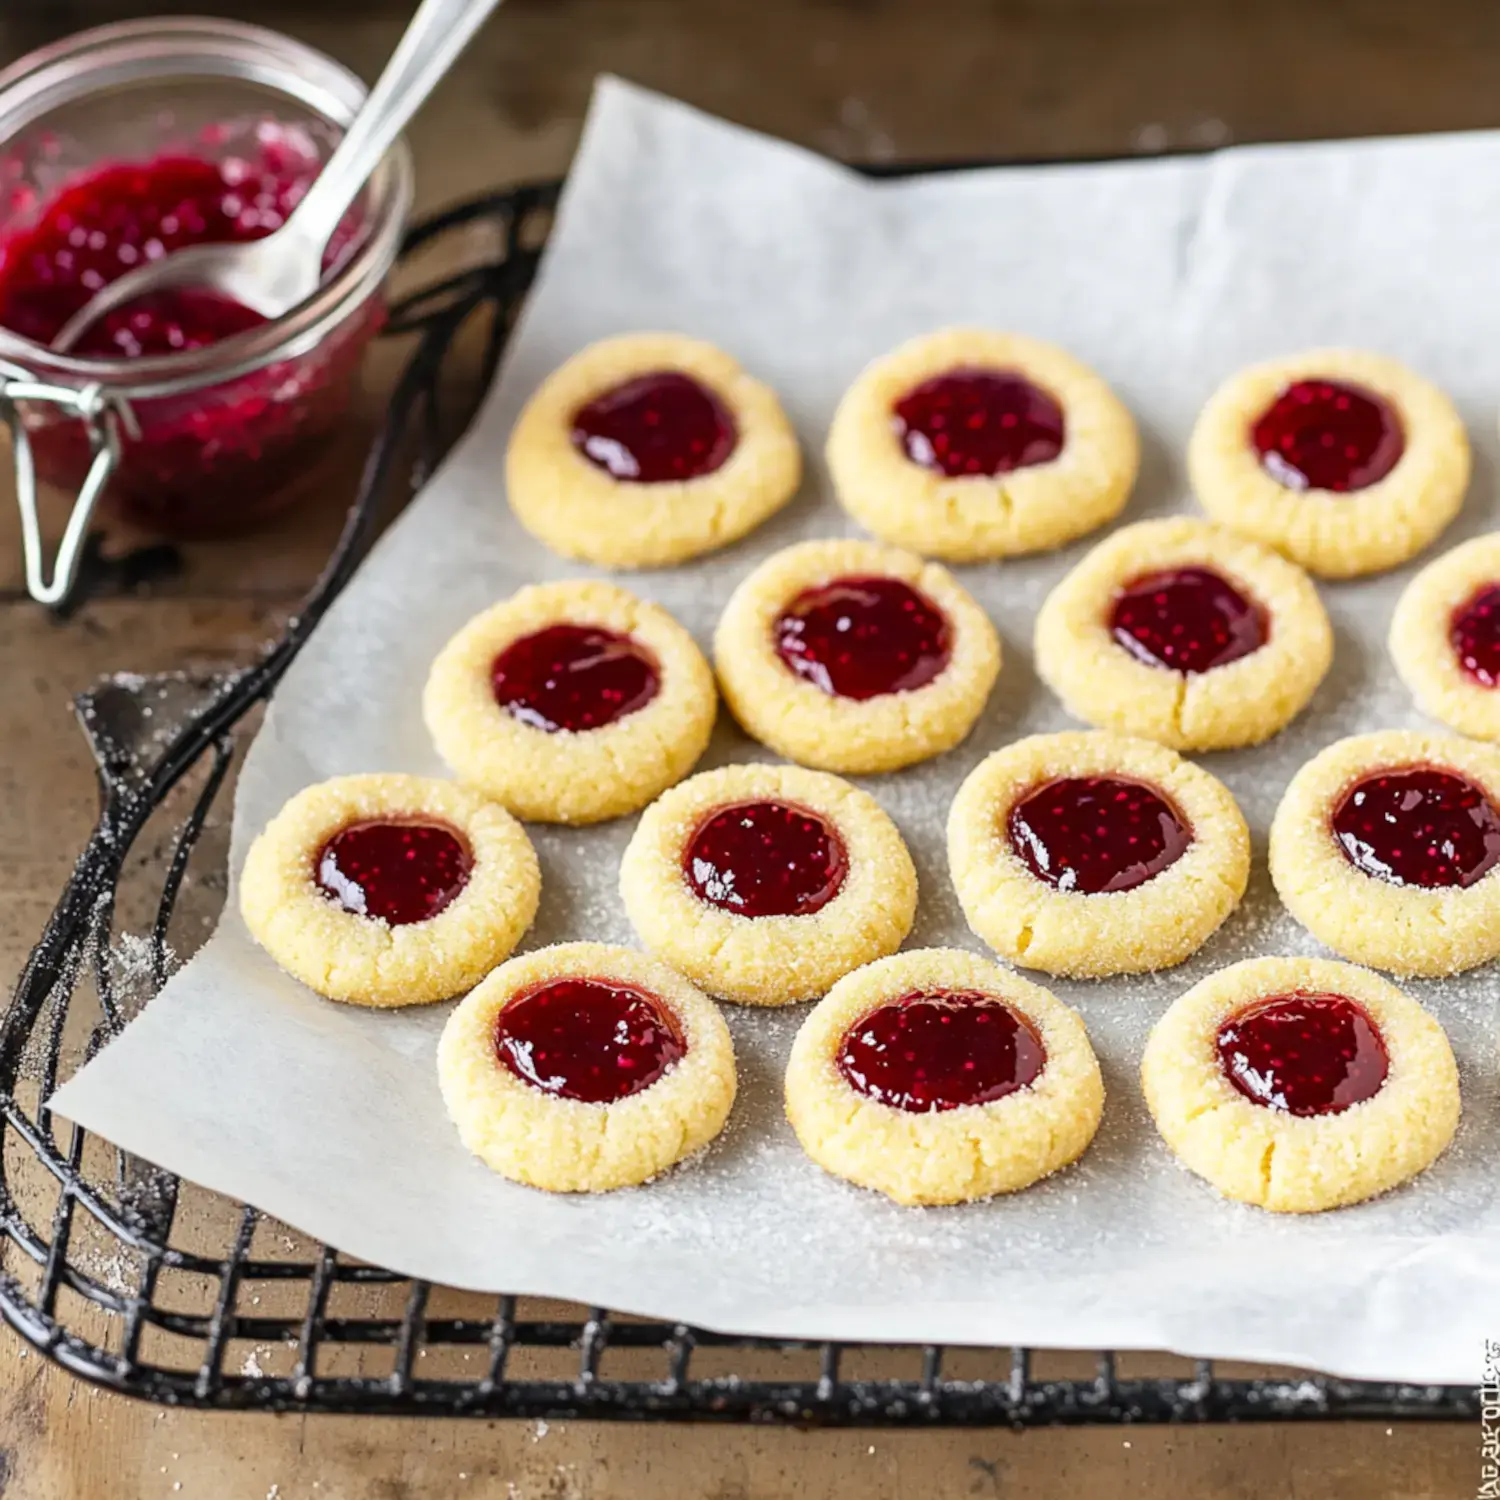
[(884, 79)]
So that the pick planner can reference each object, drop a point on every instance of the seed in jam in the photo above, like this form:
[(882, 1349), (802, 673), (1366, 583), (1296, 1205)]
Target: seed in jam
[(940, 1049), (1095, 834), (593, 1040), (398, 871), (1474, 633), (1328, 435), (574, 678), (979, 422), (1303, 1054), (656, 428), (1187, 620), (766, 859), (862, 637), (1418, 826)]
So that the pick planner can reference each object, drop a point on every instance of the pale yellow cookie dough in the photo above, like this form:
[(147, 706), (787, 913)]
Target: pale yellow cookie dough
[(1406, 929), (363, 960), (567, 776), (1335, 535), (797, 718), (969, 519), (582, 511), (943, 1156), (1300, 1163), (1422, 645), (568, 1145), (1241, 703), (769, 960), (1153, 926)]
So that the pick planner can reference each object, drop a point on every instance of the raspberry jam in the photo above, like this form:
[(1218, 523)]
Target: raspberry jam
[(398, 871), (1416, 825), (587, 1039), (1303, 1054), (861, 637), (125, 214), (1328, 435), (655, 429), (1095, 834), (940, 1049), (225, 454), (1474, 632), (979, 422), (574, 678), (766, 859), (1187, 620)]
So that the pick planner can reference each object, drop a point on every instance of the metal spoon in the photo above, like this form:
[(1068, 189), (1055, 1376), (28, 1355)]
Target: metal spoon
[(272, 275)]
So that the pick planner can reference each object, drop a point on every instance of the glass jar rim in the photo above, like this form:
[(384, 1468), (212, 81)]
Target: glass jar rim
[(170, 47)]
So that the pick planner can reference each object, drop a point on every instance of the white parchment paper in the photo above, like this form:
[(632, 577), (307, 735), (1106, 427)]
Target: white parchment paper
[(1165, 276)]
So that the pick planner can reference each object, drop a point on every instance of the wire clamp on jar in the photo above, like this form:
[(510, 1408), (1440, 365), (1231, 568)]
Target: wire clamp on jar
[(104, 415)]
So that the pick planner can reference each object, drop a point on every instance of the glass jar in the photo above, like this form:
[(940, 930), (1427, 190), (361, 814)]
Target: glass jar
[(202, 440)]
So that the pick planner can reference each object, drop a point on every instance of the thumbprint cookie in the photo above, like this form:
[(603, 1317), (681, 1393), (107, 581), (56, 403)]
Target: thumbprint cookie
[(583, 1067), (1183, 632), (1092, 854), (765, 884), (571, 702), (854, 657), (1346, 462), (389, 890), (648, 449), (1301, 1084), (936, 1077), (966, 445), (1385, 847)]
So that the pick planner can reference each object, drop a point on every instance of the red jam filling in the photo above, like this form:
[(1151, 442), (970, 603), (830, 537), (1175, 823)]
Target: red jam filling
[(1187, 620), (1303, 1054), (398, 871), (940, 1049), (574, 677), (861, 637), (1475, 635), (766, 859), (217, 458), (1418, 826), (656, 428), (587, 1039), (1095, 834), (979, 422), (126, 214), (1328, 435)]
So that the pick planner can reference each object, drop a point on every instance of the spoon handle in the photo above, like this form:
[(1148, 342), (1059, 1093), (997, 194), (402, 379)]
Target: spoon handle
[(439, 31)]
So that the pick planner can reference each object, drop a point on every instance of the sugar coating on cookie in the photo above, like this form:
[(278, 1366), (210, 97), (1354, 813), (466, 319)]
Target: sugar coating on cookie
[(585, 1067), (855, 657), (765, 884), (647, 449), (1091, 854), (880, 1071), (1347, 1087), (1385, 847), (571, 702), (967, 444), (388, 890), (1182, 632), (1347, 462), (1445, 638)]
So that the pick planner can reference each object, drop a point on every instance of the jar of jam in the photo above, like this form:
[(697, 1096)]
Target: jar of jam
[(184, 412)]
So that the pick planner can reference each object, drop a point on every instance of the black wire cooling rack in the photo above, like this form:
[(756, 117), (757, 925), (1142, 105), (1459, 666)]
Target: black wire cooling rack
[(137, 1281)]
